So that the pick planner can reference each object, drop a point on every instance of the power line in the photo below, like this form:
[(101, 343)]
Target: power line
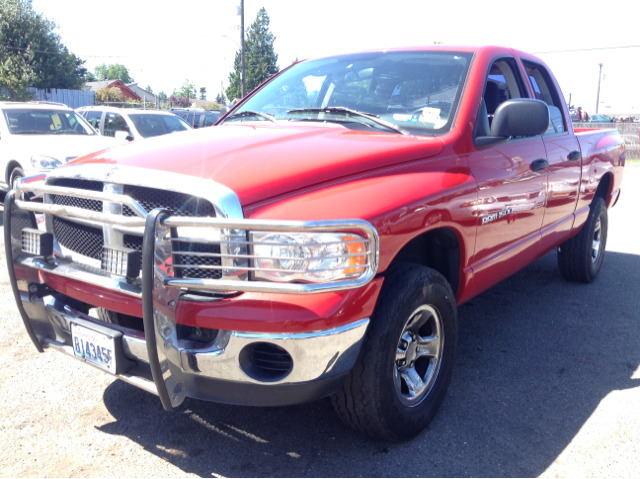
[(589, 49)]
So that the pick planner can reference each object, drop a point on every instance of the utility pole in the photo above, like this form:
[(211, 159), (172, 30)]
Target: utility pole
[(244, 83), (599, 78)]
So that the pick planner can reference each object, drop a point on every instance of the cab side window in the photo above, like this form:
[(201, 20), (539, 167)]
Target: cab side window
[(114, 122), (545, 90), (503, 83)]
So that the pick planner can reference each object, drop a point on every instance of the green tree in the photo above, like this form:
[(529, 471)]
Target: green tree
[(261, 60), (221, 99), (149, 89), (187, 90), (162, 96), (115, 71), (32, 54), (203, 93)]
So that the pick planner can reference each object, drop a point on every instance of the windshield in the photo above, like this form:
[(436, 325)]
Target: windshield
[(46, 122), (417, 92), (157, 125)]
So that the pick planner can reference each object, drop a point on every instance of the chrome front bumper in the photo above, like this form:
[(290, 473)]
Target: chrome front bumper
[(317, 356), (161, 362)]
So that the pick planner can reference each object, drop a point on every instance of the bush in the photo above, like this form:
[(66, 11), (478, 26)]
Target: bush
[(105, 94), (180, 102)]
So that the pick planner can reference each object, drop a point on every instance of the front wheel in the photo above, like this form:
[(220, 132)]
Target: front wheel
[(406, 362)]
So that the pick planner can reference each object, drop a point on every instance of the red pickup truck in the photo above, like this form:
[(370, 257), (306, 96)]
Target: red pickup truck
[(318, 240)]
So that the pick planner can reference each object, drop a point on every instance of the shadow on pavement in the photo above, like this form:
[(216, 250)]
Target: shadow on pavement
[(536, 355)]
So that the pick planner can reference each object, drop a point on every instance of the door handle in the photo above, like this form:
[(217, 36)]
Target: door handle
[(539, 165), (575, 155)]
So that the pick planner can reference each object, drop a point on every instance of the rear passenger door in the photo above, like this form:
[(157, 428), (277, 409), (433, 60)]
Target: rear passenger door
[(563, 155), (511, 196)]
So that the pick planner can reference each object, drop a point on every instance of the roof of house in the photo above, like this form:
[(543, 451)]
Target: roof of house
[(97, 85)]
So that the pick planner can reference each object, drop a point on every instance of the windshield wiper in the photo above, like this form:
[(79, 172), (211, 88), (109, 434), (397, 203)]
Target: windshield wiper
[(67, 132), (259, 114), (350, 112), (31, 132)]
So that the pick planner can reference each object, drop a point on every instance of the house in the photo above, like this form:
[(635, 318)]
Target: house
[(142, 93), (127, 92)]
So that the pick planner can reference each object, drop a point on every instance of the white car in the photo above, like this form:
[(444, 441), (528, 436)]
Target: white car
[(132, 124), (36, 137)]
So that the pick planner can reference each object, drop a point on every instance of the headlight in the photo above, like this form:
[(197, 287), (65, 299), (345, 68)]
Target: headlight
[(44, 162), (308, 257)]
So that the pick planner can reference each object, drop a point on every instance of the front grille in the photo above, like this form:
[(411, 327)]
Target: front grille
[(85, 204), (89, 241), (181, 255), (82, 239), (179, 204), (133, 242)]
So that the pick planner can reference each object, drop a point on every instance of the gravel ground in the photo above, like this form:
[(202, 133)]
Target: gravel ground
[(547, 383)]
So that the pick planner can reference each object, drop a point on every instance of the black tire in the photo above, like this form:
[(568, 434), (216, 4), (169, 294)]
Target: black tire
[(577, 259), (369, 400), (16, 174)]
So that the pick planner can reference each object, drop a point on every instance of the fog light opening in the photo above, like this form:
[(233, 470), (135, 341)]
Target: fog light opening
[(265, 362)]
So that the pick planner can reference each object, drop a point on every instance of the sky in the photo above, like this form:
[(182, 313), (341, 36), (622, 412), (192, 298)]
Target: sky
[(163, 43)]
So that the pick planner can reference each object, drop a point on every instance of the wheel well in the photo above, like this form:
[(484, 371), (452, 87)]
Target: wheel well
[(603, 187), (438, 249), (10, 167)]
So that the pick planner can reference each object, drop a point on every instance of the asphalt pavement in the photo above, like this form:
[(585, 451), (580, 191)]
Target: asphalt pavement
[(546, 383)]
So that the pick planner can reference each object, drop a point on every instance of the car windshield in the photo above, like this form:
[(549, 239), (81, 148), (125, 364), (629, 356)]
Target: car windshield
[(23, 121), (149, 125), (404, 91)]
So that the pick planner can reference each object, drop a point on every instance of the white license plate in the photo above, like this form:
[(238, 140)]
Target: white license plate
[(94, 347)]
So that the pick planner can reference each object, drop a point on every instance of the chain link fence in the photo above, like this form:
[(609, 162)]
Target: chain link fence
[(628, 132)]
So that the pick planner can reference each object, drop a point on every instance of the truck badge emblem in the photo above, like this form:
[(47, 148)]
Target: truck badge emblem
[(495, 216)]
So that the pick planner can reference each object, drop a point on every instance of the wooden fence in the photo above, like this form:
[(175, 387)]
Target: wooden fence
[(71, 98)]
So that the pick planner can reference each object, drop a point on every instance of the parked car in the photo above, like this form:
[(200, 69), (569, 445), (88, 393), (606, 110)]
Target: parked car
[(199, 118), (318, 240), (132, 124), (599, 119), (37, 137)]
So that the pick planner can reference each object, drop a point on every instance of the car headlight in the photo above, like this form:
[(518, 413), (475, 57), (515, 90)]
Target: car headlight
[(44, 162), (308, 257)]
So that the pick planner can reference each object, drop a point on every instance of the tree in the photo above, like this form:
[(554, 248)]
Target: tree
[(187, 90), (149, 89), (203, 93), (162, 96), (106, 94), (260, 57), (221, 99), (115, 71), (90, 77), (32, 54)]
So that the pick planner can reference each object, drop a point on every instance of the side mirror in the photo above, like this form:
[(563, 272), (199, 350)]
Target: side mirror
[(224, 110), (123, 135), (520, 117)]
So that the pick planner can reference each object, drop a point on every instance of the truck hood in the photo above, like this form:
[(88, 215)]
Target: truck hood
[(259, 162), (61, 147)]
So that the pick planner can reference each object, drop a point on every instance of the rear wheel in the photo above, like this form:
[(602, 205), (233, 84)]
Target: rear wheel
[(406, 362), (580, 258)]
